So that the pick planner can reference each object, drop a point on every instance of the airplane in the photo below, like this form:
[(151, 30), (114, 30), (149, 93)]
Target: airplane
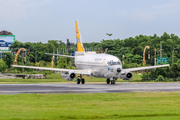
[(94, 65)]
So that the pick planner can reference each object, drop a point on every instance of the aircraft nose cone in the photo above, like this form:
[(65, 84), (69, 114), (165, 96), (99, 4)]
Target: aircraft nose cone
[(118, 69)]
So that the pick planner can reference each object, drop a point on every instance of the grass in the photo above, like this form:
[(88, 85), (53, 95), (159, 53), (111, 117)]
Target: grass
[(98, 106), (136, 77), (56, 78)]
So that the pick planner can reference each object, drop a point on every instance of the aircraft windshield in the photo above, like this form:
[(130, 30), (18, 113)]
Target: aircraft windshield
[(114, 63)]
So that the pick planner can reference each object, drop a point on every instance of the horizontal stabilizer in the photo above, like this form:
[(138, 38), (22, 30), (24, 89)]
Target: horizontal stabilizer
[(60, 55), (79, 53)]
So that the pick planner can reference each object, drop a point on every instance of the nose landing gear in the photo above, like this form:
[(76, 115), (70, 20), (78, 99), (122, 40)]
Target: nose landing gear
[(112, 81)]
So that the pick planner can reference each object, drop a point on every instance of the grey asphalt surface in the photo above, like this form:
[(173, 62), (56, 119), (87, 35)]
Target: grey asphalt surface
[(87, 88)]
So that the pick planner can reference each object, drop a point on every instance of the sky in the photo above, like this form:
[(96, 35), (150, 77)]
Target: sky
[(43, 20)]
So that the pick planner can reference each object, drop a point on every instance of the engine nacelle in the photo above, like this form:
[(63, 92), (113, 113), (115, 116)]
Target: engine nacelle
[(68, 76), (126, 75)]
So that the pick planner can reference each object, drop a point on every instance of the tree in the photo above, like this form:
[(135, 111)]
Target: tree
[(138, 50), (62, 62), (129, 57), (4, 32), (130, 47), (137, 59)]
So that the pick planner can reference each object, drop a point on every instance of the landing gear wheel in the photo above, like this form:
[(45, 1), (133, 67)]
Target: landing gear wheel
[(112, 82), (108, 81), (78, 81), (82, 81)]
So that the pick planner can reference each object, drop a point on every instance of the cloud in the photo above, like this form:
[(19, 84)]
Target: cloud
[(151, 12), (18, 9)]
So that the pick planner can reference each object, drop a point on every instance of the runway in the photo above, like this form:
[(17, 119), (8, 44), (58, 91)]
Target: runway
[(87, 88)]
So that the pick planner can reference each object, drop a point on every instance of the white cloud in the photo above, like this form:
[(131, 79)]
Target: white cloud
[(18, 9), (151, 12)]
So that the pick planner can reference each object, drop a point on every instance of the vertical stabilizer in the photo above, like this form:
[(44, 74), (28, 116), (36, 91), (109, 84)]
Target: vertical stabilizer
[(80, 47)]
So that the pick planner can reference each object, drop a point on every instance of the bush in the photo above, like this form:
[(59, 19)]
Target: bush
[(160, 79), (166, 80), (15, 71), (46, 73), (171, 80), (33, 72), (178, 79), (131, 65), (3, 66), (146, 77)]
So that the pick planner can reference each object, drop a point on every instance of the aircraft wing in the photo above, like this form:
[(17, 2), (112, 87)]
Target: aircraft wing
[(144, 68), (61, 55), (84, 72)]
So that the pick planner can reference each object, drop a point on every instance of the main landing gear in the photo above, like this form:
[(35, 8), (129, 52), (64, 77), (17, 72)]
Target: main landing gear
[(113, 81), (80, 80)]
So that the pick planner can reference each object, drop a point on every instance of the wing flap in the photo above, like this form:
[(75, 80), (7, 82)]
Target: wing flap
[(144, 68), (84, 72)]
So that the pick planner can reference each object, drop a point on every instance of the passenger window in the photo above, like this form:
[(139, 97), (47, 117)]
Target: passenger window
[(114, 63)]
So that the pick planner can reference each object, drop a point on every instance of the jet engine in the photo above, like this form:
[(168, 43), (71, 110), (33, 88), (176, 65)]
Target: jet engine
[(68, 76), (126, 75)]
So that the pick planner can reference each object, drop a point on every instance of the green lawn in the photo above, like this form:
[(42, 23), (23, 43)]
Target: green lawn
[(55, 78), (136, 77), (99, 106)]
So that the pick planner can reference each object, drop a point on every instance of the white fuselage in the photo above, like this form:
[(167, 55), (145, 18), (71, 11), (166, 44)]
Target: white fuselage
[(101, 65)]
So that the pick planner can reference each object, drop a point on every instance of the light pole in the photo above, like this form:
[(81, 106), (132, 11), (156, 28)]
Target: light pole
[(173, 54), (161, 49), (123, 59), (35, 57), (155, 50)]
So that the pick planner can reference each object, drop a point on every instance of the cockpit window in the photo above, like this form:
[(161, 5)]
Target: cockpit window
[(114, 63)]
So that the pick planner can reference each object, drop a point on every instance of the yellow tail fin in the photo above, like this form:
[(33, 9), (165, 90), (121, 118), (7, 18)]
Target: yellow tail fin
[(78, 39)]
